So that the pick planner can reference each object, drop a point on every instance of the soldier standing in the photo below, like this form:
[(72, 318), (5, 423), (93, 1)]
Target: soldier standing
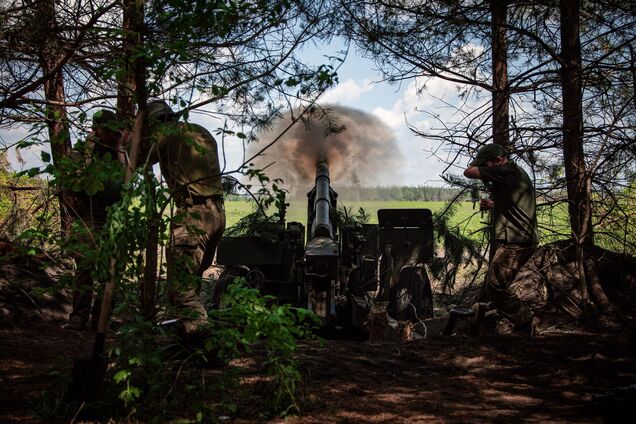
[(513, 205), (188, 158)]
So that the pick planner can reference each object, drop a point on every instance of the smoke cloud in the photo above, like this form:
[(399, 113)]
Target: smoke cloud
[(359, 148)]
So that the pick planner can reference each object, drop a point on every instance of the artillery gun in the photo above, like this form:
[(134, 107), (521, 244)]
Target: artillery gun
[(341, 270)]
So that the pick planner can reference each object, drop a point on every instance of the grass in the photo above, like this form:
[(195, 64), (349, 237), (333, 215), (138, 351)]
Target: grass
[(465, 216), (553, 222)]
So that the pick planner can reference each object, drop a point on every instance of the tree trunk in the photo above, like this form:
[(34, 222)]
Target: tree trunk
[(148, 298), (578, 181), (51, 53), (633, 69), (126, 82), (139, 76), (500, 89), (571, 73)]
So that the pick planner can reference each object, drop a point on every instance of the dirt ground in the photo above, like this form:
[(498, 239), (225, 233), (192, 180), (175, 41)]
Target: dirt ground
[(491, 379), (556, 377), (460, 380)]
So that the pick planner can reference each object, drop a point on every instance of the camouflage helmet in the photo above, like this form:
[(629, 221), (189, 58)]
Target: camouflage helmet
[(160, 111)]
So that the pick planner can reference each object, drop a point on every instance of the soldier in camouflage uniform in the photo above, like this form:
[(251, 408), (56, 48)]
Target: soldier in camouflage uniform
[(514, 219), (188, 157)]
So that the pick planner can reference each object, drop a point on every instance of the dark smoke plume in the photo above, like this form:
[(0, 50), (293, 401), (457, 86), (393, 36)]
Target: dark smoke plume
[(360, 149)]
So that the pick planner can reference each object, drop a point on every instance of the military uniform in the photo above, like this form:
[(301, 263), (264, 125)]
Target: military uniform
[(515, 236), (188, 158)]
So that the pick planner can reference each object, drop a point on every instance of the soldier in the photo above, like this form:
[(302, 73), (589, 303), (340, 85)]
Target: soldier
[(515, 228), (188, 158), (103, 148)]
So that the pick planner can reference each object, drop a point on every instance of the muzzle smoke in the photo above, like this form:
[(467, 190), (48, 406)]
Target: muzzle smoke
[(359, 148)]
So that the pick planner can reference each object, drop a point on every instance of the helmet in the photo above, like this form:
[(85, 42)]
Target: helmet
[(488, 152), (160, 111)]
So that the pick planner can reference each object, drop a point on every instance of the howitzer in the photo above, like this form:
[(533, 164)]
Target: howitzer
[(342, 269)]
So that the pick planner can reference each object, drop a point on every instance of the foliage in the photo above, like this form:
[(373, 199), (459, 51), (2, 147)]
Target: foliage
[(258, 222), (158, 379), (82, 173), (20, 201), (616, 229), (26, 208), (250, 319), (461, 253), (269, 193), (346, 216), (153, 377)]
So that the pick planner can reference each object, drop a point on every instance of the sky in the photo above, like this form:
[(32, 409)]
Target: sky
[(397, 106), (361, 88)]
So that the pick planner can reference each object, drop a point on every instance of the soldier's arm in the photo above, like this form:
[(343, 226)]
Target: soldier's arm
[(488, 174), (472, 172)]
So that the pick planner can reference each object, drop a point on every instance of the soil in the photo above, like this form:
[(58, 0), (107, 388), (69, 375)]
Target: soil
[(566, 376), (453, 379)]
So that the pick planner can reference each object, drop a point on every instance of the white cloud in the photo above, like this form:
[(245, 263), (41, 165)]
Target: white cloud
[(347, 91), (394, 117), (426, 104)]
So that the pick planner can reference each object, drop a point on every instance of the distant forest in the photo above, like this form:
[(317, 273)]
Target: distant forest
[(395, 193), (403, 193)]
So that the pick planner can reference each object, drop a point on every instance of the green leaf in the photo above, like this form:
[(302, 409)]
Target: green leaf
[(135, 361), (121, 375), (33, 172)]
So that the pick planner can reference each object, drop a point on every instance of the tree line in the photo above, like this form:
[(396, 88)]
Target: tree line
[(398, 193)]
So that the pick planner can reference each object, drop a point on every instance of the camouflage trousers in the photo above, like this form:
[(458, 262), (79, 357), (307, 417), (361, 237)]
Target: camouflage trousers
[(193, 240), (508, 259)]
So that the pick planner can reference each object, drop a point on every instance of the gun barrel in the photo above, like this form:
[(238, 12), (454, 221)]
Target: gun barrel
[(322, 250), (322, 204)]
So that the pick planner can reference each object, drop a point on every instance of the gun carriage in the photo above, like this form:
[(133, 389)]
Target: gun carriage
[(340, 270)]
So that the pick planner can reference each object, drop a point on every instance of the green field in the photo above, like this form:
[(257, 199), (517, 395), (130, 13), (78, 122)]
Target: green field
[(465, 216), (552, 223)]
